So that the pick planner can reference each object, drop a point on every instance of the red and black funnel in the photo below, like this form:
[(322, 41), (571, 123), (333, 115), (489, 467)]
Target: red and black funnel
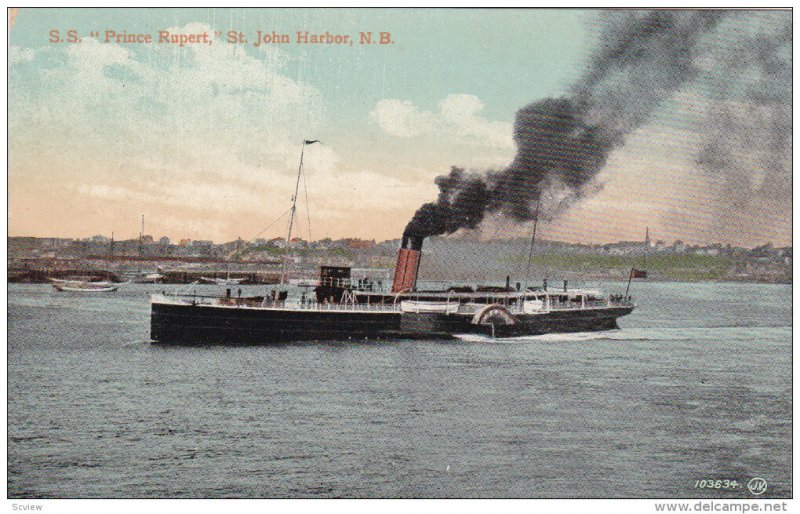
[(408, 259)]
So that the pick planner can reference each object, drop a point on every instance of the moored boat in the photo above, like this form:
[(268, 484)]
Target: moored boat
[(223, 281), (148, 278), (109, 289), (82, 286)]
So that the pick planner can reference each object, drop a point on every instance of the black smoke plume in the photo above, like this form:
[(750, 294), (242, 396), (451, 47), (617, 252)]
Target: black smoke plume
[(562, 143), (747, 145)]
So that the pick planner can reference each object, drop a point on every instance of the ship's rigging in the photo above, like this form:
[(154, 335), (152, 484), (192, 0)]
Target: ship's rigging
[(293, 210)]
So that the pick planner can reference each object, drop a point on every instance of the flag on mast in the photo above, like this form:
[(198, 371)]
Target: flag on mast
[(309, 142)]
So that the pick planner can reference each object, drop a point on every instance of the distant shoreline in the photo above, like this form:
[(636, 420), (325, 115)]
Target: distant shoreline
[(271, 278), (443, 259)]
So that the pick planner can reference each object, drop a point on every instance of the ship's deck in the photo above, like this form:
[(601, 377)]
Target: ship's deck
[(465, 307)]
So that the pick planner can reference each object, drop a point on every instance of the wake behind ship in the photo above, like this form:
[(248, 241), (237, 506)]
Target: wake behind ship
[(344, 309)]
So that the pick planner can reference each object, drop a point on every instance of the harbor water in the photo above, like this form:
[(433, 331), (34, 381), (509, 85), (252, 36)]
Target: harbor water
[(696, 385)]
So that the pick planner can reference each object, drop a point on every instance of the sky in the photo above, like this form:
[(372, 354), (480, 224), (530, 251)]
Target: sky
[(204, 140)]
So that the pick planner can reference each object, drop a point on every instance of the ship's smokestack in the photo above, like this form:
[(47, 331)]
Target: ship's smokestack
[(408, 258)]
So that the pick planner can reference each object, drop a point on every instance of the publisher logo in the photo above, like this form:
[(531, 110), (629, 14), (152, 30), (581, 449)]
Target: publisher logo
[(757, 485)]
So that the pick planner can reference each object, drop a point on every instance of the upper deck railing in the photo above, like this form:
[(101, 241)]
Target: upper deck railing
[(514, 303)]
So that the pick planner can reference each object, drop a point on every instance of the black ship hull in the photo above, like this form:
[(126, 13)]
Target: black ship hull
[(185, 323)]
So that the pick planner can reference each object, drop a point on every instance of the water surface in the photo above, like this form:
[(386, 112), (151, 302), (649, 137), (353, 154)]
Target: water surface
[(696, 384)]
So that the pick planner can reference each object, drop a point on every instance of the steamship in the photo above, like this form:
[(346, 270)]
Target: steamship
[(342, 308)]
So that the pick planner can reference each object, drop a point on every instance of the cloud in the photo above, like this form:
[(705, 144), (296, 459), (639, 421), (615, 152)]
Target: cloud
[(199, 96), (203, 125), (317, 159), (401, 118), (18, 55), (458, 119), (200, 195)]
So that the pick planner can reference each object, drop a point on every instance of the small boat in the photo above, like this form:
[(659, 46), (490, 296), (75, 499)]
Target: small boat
[(82, 289), (148, 278), (422, 306), (223, 281), (82, 286)]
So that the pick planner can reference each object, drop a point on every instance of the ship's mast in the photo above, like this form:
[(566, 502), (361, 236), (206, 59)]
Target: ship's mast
[(141, 237), (530, 252), (294, 208)]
